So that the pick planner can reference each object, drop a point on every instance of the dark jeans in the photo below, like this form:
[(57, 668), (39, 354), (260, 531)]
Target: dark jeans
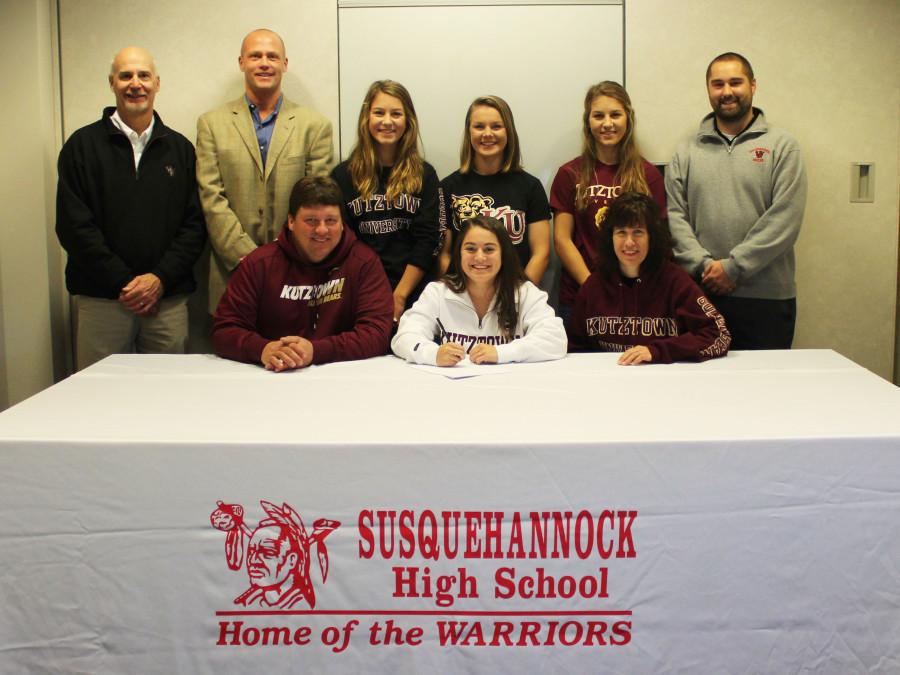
[(756, 323)]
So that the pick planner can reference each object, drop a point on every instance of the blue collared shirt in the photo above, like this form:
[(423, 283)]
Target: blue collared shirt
[(264, 128)]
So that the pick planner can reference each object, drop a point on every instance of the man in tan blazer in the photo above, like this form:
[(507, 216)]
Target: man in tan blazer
[(250, 153)]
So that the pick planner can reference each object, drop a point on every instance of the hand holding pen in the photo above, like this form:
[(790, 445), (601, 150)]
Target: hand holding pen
[(449, 353)]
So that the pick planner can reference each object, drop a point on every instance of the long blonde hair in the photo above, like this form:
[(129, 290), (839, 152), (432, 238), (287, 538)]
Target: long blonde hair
[(406, 175), (630, 173), (512, 157)]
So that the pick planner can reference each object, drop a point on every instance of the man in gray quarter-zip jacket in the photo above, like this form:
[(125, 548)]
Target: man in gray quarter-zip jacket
[(129, 217), (736, 195)]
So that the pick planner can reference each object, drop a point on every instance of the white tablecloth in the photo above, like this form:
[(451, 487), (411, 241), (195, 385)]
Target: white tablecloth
[(749, 508)]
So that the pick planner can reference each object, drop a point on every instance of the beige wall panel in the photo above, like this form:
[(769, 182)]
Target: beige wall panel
[(196, 47), (827, 73), (26, 189)]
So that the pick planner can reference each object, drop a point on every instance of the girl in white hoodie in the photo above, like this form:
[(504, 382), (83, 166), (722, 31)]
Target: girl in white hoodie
[(485, 310)]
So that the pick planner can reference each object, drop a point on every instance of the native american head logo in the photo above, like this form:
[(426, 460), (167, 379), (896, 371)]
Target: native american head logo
[(600, 216), (469, 206), (278, 553)]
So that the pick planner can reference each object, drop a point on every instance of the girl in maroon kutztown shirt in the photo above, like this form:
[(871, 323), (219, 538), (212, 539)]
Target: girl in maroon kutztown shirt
[(610, 163)]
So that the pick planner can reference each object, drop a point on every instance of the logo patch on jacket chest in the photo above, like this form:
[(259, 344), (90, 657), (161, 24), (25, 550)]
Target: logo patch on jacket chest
[(316, 294), (758, 155)]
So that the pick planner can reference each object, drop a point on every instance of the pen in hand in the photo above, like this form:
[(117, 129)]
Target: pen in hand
[(449, 353)]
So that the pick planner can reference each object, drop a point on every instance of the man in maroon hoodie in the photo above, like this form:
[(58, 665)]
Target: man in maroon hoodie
[(314, 295)]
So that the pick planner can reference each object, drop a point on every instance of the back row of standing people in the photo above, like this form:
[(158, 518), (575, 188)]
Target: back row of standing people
[(736, 197)]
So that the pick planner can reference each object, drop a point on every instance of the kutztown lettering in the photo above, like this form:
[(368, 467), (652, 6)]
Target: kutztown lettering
[(632, 325), (377, 202), (469, 341), (317, 294)]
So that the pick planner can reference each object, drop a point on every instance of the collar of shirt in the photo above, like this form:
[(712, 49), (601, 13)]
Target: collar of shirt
[(729, 138), (138, 141), (264, 128)]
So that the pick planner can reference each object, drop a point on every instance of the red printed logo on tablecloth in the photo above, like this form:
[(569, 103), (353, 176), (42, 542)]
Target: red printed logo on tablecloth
[(431, 578), (278, 553), (758, 155)]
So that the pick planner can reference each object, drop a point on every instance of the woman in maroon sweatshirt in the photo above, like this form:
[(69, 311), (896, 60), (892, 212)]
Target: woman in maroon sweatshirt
[(637, 301)]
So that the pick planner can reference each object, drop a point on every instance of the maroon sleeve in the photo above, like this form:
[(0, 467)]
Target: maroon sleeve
[(371, 332), (702, 332), (562, 191), (657, 187), (234, 324)]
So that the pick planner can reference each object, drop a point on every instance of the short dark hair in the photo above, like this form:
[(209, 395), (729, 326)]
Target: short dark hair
[(315, 191), (629, 209), (732, 56)]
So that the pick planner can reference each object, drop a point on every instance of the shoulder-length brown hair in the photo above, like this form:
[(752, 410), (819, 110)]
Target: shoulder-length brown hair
[(630, 209), (508, 279), (406, 176), (512, 156), (630, 174)]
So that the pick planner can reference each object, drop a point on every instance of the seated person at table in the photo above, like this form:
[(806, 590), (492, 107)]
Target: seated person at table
[(485, 308), (639, 302), (314, 295)]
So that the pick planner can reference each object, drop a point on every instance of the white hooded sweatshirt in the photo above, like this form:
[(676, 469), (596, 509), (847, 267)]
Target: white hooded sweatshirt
[(539, 336)]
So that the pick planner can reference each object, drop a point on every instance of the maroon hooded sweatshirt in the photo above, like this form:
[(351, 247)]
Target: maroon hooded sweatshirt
[(665, 311), (343, 304)]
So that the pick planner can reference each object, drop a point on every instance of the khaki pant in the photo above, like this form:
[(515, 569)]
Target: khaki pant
[(104, 327)]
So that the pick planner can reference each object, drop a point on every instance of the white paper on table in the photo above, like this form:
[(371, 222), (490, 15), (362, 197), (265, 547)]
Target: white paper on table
[(463, 369)]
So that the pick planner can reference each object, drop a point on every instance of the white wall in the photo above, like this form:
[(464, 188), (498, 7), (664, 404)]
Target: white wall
[(826, 72), (29, 262), (549, 135)]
